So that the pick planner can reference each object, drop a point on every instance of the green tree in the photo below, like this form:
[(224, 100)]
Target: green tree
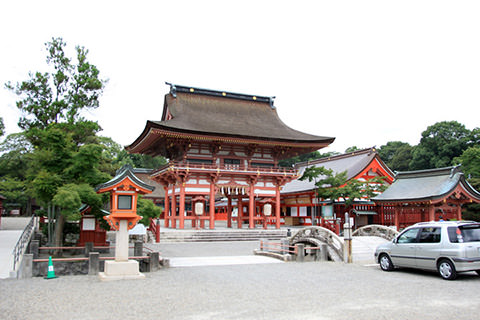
[(396, 155), (305, 157), (439, 145), (147, 209), (2, 127), (67, 154), (332, 185)]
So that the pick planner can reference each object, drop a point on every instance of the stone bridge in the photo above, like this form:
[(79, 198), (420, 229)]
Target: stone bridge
[(376, 230), (315, 237)]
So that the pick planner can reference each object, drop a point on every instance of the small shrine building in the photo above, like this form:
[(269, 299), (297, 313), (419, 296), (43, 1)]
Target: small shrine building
[(222, 145), (300, 203), (425, 195)]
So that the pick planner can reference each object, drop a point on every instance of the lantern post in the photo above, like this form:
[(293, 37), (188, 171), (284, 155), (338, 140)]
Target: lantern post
[(124, 189)]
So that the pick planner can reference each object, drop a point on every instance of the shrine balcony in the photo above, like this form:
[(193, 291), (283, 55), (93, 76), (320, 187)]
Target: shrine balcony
[(227, 168)]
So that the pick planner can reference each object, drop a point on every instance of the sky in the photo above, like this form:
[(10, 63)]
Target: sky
[(365, 72)]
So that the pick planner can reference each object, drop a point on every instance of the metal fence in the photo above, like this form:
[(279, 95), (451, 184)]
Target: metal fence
[(22, 242)]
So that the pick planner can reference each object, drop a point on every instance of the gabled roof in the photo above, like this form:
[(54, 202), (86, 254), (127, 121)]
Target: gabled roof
[(353, 162), (223, 116), (427, 185), (125, 172)]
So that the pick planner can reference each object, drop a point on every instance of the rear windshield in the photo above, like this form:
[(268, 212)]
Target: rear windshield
[(469, 233)]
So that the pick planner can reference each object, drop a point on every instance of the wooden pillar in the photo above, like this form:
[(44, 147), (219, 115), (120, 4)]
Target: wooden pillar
[(251, 206), (181, 210), (212, 205), (240, 212), (459, 212), (229, 212), (396, 217), (382, 215), (431, 213), (166, 208), (174, 208), (277, 206)]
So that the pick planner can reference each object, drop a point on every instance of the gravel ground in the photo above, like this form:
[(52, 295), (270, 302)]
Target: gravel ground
[(275, 291)]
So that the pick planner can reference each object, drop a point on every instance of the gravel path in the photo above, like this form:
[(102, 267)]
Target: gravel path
[(262, 291)]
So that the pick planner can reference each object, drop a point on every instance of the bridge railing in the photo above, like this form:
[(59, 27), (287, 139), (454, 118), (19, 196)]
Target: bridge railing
[(22, 243)]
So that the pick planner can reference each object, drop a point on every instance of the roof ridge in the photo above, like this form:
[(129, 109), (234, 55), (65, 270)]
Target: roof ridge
[(338, 156), (174, 88), (451, 171)]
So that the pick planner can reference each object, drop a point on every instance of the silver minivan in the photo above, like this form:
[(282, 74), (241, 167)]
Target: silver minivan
[(448, 247)]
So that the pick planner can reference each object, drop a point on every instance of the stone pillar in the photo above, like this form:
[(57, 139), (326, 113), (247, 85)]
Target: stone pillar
[(88, 248), (121, 244), (300, 252), (93, 263), (154, 261), (34, 244), (27, 266), (138, 249)]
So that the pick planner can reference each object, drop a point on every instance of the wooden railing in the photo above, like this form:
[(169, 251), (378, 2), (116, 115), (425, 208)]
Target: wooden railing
[(227, 167)]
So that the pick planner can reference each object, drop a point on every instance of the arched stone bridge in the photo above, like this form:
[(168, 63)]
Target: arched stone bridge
[(376, 230), (315, 237)]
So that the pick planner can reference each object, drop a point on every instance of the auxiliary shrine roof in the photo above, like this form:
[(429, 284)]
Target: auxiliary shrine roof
[(223, 116), (428, 185), (353, 162)]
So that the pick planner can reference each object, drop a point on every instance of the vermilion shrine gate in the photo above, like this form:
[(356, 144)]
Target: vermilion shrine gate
[(222, 144)]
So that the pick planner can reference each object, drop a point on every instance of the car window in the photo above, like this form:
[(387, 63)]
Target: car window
[(469, 233), (408, 236), (430, 235)]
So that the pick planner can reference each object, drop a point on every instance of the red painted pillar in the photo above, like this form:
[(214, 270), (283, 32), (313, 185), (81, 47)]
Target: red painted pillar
[(277, 207), (181, 210), (174, 208), (431, 213), (166, 208), (212, 205), (240, 212), (251, 207), (396, 218), (229, 212), (382, 216)]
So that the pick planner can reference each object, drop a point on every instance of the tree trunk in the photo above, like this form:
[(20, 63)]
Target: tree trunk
[(59, 224)]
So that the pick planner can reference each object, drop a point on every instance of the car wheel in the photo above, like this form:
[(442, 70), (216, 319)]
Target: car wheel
[(447, 270), (385, 262)]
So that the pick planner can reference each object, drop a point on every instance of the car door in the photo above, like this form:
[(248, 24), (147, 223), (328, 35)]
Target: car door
[(429, 247), (404, 248)]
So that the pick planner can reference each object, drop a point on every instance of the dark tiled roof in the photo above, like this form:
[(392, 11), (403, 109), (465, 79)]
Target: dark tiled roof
[(217, 113), (352, 162), (122, 173), (424, 185)]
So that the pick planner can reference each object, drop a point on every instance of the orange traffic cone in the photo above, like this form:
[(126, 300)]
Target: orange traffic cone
[(50, 270)]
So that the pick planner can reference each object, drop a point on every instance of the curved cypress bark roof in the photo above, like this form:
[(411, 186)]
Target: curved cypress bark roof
[(426, 185), (224, 115)]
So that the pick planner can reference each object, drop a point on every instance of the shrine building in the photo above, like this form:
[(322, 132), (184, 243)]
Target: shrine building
[(222, 145), (425, 195), (301, 206)]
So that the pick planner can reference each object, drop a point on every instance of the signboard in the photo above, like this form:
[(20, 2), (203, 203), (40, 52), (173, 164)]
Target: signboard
[(88, 224)]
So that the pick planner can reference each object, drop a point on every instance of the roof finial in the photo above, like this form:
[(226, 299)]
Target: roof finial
[(173, 89)]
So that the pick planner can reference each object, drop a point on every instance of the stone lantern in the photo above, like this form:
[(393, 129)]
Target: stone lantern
[(124, 190)]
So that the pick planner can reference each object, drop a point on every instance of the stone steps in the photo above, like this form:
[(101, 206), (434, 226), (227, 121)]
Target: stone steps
[(220, 235)]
